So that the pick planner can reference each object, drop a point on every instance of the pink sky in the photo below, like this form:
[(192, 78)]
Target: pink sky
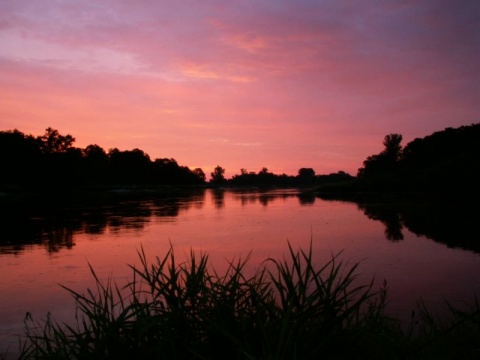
[(245, 84)]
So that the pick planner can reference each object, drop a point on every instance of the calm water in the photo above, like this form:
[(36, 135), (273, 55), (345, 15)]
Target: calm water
[(422, 252)]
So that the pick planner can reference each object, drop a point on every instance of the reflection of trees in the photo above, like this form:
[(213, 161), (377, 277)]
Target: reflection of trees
[(264, 198), (307, 198), (218, 196), (389, 216), (55, 227), (450, 223), (131, 215), (267, 197), (454, 224), (95, 223), (59, 238), (173, 206), (52, 233)]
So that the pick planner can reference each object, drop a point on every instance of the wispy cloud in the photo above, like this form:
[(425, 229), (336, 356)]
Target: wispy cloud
[(95, 59), (248, 144)]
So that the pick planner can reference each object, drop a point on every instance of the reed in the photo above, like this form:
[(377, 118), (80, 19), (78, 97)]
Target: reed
[(288, 309)]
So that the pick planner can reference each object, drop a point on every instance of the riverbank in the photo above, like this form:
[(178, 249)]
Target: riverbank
[(361, 190)]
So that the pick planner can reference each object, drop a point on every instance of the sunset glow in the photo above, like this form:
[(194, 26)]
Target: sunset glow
[(247, 84)]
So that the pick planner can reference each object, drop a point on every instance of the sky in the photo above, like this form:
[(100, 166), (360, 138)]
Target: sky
[(281, 84)]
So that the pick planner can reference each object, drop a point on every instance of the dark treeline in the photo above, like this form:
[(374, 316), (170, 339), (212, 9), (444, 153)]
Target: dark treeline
[(305, 177), (445, 162), (51, 160)]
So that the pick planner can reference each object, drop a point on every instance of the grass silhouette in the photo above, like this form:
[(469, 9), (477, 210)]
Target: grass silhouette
[(288, 309)]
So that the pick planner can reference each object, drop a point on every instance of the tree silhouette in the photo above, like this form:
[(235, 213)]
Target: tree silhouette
[(200, 174), (306, 173), (20, 156), (96, 163), (50, 161), (386, 162), (130, 166), (53, 142), (446, 161), (218, 175), (306, 176), (167, 171), (95, 152), (393, 147), (266, 178)]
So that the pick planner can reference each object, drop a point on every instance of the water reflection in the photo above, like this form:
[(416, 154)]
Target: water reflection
[(55, 227), (218, 198), (266, 197), (307, 198), (230, 224), (390, 217), (450, 223)]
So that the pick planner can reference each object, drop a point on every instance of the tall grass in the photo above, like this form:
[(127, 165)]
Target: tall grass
[(288, 309)]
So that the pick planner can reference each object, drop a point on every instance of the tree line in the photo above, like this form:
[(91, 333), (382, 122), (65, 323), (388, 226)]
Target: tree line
[(444, 160), (52, 160), (447, 160), (305, 177)]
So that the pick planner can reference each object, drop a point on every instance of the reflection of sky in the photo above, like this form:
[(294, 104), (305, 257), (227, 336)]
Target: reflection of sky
[(281, 84), (413, 267)]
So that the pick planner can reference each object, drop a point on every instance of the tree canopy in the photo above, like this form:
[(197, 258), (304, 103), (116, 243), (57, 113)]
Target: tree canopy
[(51, 160), (386, 162), (443, 161), (218, 175)]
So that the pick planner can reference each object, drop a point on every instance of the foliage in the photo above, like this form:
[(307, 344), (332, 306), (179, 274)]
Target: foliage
[(288, 309), (53, 142), (218, 175), (386, 162), (51, 161), (200, 174), (447, 160), (20, 156), (305, 177), (306, 172)]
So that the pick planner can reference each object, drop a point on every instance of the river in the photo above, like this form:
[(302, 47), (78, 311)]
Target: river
[(422, 253)]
